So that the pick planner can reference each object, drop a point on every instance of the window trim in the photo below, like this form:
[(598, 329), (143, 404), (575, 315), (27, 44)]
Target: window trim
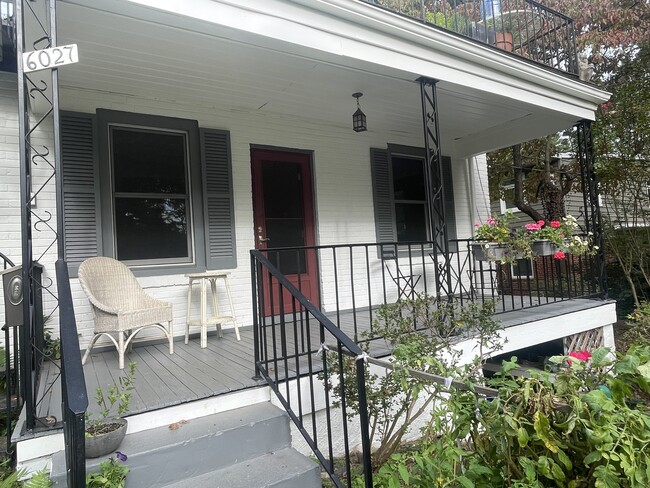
[(396, 201), (407, 152), (503, 205), (108, 118), (530, 276)]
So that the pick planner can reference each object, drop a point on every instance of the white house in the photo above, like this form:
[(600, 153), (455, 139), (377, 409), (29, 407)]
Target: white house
[(194, 132)]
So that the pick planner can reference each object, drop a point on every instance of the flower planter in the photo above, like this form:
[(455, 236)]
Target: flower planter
[(504, 41), (543, 248), (106, 442), (489, 251)]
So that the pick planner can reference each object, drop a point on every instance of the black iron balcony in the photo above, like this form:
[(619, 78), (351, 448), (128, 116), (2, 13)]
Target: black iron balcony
[(7, 36), (524, 28)]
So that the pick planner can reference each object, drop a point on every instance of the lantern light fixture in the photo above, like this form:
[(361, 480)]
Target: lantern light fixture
[(359, 118)]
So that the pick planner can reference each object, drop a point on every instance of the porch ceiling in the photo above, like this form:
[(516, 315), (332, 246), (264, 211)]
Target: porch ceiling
[(212, 67)]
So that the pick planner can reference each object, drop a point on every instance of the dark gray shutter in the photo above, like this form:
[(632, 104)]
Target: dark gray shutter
[(382, 196), (218, 199), (448, 195), (80, 189)]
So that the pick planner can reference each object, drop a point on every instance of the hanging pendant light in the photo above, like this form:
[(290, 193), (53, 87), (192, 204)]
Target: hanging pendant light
[(359, 118)]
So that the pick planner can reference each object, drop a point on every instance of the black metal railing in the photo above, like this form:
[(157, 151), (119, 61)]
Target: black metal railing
[(524, 27), (348, 282), (292, 339), (73, 384)]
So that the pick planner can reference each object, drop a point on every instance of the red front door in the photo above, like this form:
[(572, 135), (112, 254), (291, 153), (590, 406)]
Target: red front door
[(284, 217)]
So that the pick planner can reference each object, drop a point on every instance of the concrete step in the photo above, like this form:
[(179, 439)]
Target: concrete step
[(163, 456), (285, 468)]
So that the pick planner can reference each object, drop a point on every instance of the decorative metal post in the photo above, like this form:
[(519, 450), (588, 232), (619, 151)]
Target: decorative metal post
[(35, 30), (593, 221), (434, 185)]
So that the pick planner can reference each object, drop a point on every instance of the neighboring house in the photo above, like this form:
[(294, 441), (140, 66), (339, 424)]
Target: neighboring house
[(193, 132)]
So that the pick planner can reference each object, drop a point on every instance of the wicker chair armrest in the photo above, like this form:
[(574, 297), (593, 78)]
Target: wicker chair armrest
[(104, 308)]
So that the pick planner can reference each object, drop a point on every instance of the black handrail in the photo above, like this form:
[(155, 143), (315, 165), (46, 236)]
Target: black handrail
[(291, 343), (526, 28), (73, 384)]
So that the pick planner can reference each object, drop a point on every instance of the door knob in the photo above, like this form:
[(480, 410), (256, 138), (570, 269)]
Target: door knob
[(261, 238)]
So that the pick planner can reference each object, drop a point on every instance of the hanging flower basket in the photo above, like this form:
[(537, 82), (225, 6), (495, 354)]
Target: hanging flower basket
[(490, 251), (543, 247)]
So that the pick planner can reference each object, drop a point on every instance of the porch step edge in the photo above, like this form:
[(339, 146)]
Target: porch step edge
[(197, 446), (285, 468)]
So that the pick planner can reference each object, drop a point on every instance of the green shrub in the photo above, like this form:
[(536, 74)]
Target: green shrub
[(573, 429)]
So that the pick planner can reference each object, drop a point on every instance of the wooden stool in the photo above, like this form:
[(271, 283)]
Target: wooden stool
[(216, 318)]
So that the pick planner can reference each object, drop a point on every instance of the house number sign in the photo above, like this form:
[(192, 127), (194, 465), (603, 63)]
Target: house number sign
[(50, 58)]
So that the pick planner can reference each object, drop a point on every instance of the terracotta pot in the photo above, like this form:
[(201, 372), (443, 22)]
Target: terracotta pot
[(504, 40), (107, 442)]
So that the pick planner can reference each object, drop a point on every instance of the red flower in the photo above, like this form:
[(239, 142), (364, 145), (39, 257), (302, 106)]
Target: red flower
[(555, 224), (559, 255), (581, 355)]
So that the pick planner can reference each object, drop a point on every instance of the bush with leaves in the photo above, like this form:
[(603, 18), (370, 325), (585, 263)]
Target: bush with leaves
[(575, 428), (420, 334)]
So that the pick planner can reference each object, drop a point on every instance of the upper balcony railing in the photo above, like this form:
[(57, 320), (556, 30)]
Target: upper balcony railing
[(525, 28)]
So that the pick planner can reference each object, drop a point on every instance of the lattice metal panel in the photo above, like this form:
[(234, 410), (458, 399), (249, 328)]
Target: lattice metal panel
[(588, 340)]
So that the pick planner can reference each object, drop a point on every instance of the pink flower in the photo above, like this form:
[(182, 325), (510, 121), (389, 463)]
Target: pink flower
[(491, 221), (555, 224), (533, 226), (540, 223), (477, 225), (583, 355), (559, 255)]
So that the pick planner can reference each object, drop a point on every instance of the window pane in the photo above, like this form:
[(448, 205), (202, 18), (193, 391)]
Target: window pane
[(411, 222), (286, 233), (151, 228), (408, 179), (522, 268), (148, 162), (282, 190)]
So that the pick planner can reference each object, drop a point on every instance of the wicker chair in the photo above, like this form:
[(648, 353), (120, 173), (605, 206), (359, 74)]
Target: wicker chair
[(120, 305)]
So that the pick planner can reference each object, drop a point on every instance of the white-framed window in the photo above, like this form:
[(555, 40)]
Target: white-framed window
[(150, 195), (409, 197), (507, 202), (523, 269)]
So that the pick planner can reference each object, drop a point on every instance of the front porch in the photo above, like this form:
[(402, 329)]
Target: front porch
[(227, 365)]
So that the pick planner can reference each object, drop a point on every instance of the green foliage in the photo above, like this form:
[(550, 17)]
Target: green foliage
[(419, 332), (639, 325), (570, 429), (40, 479), (112, 474), (52, 348), (119, 394), (8, 476)]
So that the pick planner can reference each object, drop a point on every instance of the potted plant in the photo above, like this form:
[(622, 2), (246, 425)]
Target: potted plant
[(557, 238), (105, 432), (491, 239)]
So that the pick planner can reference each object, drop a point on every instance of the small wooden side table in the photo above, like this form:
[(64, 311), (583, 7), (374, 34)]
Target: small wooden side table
[(216, 318)]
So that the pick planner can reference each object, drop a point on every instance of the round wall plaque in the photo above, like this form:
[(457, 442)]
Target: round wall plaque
[(15, 290)]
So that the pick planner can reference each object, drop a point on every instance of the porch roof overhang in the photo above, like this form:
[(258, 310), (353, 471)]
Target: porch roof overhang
[(304, 58)]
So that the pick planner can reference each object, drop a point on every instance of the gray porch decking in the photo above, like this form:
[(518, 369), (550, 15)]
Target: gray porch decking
[(225, 366)]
